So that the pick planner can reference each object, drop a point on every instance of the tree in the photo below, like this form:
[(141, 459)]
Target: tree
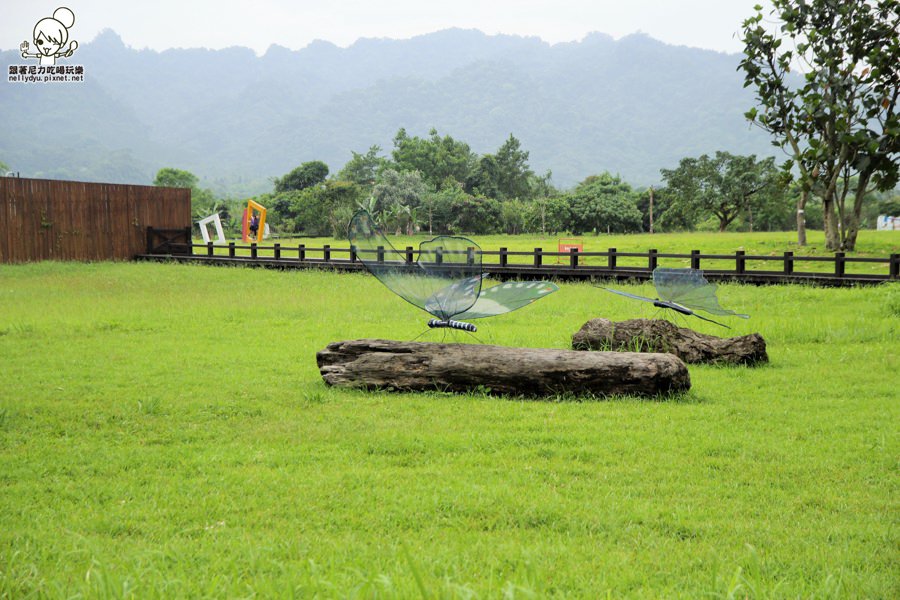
[(725, 186), (306, 175), (604, 202), (512, 216), (506, 174), (363, 169), (4, 168), (437, 211), (436, 158), (397, 195), (478, 215), (484, 177), (171, 177), (548, 214), (203, 201), (322, 209), (839, 119)]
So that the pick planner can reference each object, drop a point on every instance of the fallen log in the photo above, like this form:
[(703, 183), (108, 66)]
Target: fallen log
[(656, 335), (420, 366)]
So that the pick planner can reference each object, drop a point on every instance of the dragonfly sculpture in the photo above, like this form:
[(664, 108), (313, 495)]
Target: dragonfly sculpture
[(685, 291), (445, 280)]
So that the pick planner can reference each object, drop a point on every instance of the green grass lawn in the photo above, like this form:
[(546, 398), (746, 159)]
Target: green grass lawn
[(164, 432), (871, 243)]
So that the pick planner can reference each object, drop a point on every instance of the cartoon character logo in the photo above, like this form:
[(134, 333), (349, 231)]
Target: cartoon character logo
[(50, 37)]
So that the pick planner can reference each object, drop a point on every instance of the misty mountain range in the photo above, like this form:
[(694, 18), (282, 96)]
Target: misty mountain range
[(631, 107)]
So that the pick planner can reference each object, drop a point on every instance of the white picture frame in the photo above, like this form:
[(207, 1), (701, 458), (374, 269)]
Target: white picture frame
[(217, 223)]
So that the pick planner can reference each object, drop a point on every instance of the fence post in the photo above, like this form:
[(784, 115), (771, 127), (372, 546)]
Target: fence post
[(695, 259), (277, 251), (538, 256), (326, 252), (503, 258), (788, 262), (253, 250), (230, 249), (894, 269), (352, 253), (301, 252), (409, 255), (209, 248), (439, 256), (573, 258), (740, 263), (653, 260), (611, 259), (379, 254), (470, 256), (839, 264), (188, 231)]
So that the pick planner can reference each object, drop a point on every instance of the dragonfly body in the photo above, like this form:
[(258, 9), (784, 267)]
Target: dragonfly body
[(451, 324), (672, 305)]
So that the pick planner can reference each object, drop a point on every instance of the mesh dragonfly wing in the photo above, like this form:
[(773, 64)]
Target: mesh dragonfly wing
[(445, 279), (627, 295), (688, 287), (507, 297)]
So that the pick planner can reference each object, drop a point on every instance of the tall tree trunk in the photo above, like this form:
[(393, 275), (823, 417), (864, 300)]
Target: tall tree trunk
[(832, 236), (851, 227)]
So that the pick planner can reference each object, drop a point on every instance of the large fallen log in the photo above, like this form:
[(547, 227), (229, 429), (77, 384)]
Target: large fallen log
[(656, 335), (420, 366)]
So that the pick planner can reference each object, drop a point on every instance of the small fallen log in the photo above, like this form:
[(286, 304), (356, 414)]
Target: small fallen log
[(656, 335), (421, 366)]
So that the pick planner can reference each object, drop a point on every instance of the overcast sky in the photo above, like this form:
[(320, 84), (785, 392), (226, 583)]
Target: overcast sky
[(162, 24)]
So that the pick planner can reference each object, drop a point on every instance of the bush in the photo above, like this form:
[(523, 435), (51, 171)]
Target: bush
[(476, 215)]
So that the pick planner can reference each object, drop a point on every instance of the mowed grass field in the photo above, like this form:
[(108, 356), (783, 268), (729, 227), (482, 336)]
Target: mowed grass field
[(165, 433)]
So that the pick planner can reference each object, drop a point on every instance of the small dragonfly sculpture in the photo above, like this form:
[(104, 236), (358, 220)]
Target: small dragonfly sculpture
[(446, 280), (685, 291)]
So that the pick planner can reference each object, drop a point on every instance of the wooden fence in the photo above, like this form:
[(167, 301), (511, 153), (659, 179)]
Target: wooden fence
[(42, 219), (836, 270)]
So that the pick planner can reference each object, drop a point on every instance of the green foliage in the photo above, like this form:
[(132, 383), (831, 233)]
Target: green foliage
[(604, 203), (437, 212), (306, 175), (504, 175), (4, 168), (512, 216), (547, 214), (363, 169), (398, 188), (890, 206), (171, 177), (321, 210), (203, 201), (838, 120), (436, 158), (476, 215), (724, 186)]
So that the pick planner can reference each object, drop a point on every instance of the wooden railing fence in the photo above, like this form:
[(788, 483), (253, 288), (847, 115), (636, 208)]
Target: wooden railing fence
[(538, 263)]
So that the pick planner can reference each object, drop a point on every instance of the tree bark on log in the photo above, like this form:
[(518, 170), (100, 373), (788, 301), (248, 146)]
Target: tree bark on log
[(421, 366), (655, 335)]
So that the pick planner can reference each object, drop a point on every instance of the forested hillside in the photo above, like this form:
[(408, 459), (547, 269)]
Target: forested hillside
[(631, 107)]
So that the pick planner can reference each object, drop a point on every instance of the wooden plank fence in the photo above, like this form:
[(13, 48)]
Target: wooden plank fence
[(540, 264), (43, 219)]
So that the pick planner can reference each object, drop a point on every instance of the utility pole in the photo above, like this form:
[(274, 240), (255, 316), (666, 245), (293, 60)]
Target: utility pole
[(651, 209)]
